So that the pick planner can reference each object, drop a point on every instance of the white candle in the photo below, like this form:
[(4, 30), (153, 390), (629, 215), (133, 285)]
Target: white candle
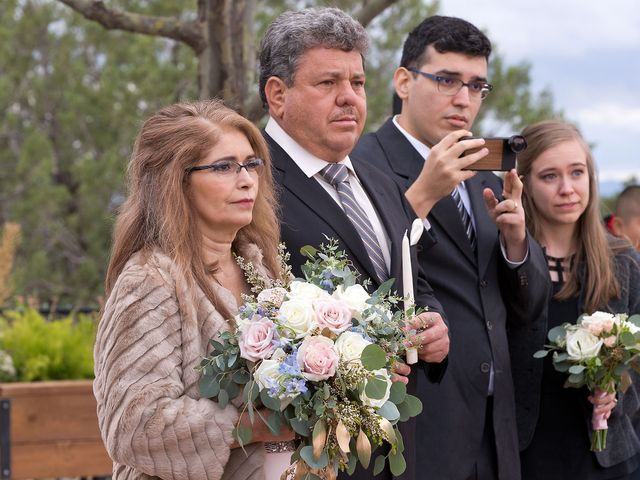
[(407, 286), (407, 275)]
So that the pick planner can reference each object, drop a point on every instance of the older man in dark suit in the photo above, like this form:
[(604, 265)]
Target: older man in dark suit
[(312, 80), (484, 269)]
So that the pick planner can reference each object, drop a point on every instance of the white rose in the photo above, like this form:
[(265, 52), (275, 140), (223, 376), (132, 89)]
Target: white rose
[(306, 291), (298, 317), (267, 373), (355, 297), (377, 403), (582, 345), (350, 345)]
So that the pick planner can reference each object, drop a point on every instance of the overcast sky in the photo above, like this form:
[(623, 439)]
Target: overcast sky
[(587, 53)]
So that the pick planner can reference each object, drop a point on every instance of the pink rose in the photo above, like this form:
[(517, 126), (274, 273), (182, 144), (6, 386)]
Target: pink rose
[(610, 341), (594, 328), (256, 337), (317, 358), (332, 314)]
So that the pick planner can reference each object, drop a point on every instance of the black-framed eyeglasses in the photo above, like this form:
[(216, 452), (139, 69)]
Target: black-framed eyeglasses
[(229, 168), (451, 86)]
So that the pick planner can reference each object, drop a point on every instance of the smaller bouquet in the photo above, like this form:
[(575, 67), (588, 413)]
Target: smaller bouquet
[(597, 352), (318, 354)]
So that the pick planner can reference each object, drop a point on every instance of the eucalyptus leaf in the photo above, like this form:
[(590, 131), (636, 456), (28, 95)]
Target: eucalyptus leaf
[(268, 401), (398, 392), (397, 464), (232, 359), (390, 411), (414, 405), (209, 386), (557, 333), (376, 388), (275, 423), (541, 354), (251, 392), (301, 427), (378, 465), (628, 339), (353, 463), (241, 376), (306, 453), (576, 369), (242, 434), (373, 357), (223, 398)]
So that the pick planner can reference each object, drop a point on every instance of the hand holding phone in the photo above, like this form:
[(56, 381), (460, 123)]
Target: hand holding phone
[(502, 153)]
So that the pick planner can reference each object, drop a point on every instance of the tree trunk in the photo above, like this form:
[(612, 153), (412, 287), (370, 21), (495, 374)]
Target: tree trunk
[(227, 62)]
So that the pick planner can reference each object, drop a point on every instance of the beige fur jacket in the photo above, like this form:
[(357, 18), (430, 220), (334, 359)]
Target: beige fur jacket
[(153, 334)]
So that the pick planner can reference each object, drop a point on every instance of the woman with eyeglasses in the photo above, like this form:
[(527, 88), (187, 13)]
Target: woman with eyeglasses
[(589, 271), (200, 190)]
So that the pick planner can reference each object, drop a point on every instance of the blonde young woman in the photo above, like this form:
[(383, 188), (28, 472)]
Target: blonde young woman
[(589, 271), (200, 189)]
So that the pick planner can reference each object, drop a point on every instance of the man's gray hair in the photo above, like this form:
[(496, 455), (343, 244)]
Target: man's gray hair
[(294, 32)]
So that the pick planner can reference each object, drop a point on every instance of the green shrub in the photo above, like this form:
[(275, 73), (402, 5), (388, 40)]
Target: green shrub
[(48, 350)]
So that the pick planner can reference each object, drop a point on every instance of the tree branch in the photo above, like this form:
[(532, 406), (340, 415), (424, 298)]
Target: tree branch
[(371, 10), (115, 19)]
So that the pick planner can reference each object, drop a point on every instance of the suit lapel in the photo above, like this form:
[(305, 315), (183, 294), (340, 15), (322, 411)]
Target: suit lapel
[(404, 159), (311, 193)]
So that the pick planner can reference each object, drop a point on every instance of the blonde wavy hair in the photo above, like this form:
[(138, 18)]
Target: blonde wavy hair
[(158, 212), (592, 270)]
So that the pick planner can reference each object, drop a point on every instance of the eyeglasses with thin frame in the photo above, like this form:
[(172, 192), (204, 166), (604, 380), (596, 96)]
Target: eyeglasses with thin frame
[(229, 168), (451, 86)]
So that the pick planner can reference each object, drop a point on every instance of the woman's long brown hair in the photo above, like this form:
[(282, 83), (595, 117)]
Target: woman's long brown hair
[(157, 212), (593, 268)]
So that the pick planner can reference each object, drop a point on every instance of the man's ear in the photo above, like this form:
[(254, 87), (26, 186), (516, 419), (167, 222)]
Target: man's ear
[(402, 79), (275, 91), (618, 226)]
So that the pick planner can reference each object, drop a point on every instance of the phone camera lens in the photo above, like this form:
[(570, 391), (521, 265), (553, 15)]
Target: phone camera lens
[(517, 143)]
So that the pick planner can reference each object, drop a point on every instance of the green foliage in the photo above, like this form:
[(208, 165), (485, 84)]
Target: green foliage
[(48, 350)]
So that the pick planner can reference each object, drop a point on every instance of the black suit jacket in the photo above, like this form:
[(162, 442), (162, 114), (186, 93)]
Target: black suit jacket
[(475, 293), (308, 213)]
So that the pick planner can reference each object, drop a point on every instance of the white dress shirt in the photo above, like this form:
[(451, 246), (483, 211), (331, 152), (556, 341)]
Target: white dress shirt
[(312, 165)]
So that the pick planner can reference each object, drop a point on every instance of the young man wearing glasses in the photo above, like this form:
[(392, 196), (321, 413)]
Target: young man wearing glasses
[(484, 269)]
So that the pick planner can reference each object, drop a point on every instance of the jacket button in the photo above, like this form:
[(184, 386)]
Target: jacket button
[(485, 367), (483, 283), (489, 325)]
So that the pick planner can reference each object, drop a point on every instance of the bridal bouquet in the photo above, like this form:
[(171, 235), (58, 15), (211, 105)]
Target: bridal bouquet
[(597, 353), (318, 354)]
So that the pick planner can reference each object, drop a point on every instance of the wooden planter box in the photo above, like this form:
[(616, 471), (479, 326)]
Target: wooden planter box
[(50, 429)]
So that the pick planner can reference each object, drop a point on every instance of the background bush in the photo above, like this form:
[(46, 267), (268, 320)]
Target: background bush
[(48, 350)]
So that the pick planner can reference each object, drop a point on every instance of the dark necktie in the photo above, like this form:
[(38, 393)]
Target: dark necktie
[(466, 219), (338, 176)]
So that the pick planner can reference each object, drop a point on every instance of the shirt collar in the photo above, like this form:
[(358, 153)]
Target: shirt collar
[(308, 163)]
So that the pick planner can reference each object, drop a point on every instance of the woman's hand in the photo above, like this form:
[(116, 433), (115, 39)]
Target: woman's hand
[(603, 402), (260, 432)]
